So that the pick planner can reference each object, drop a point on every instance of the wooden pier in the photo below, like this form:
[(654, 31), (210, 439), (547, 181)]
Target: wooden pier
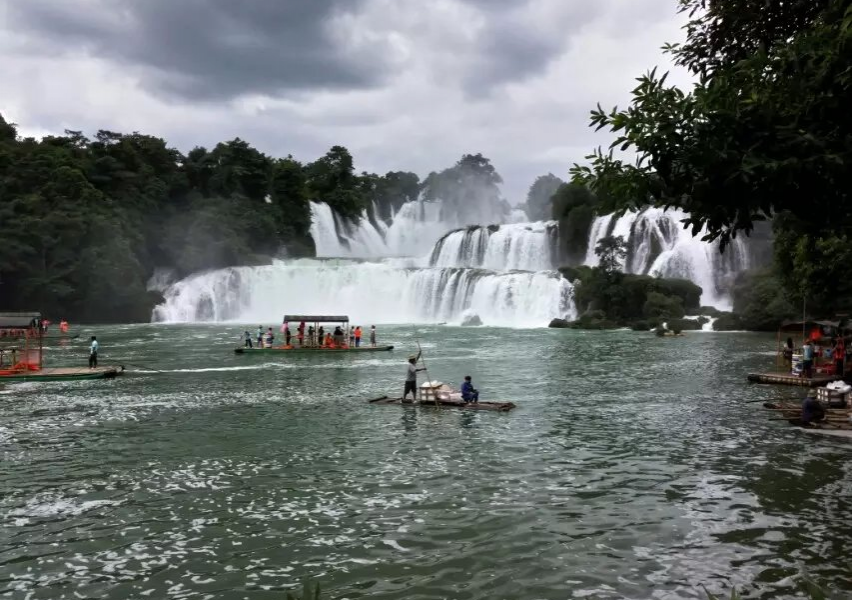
[(780, 378)]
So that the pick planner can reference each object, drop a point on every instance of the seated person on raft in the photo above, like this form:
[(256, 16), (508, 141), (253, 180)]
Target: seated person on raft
[(468, 392), (812, 410)]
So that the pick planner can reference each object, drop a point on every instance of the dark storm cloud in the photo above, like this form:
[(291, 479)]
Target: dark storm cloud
[(205, 49), (516, 43)]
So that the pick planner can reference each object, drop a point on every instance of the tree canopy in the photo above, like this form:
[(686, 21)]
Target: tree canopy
[(539, 204), (765, 129)]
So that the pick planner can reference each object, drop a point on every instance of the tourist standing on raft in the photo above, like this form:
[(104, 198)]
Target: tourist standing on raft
[(338, 337), (93, 353), (411, 377), (808, 359), (358, 336), (286, 334), (247, 335), (373, 336), (260, 336)]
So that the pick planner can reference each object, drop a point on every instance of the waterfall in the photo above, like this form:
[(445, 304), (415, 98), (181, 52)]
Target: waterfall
[(370, 292), (658, 245), (521, 246)]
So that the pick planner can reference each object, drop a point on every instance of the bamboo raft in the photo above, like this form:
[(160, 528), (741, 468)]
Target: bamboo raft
[(446, 403), (312, 349), (64, 374), (836, 419), (779, 378)]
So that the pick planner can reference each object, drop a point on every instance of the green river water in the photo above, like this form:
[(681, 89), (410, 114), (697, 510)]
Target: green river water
[(633, 467)]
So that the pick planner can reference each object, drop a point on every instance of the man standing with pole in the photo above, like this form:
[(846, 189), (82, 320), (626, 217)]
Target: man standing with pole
[(411, 377)]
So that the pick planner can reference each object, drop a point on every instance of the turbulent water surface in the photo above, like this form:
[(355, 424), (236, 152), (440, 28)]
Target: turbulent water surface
[(633, 468)]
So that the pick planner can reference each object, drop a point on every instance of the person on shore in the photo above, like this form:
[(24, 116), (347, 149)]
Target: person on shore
[(787, 353), (839, 358), (411, 377), (260, 336), (358, 336), (247, 336), (808, 359), (373, 336), (93, 353), (812, 410), (468, 392)]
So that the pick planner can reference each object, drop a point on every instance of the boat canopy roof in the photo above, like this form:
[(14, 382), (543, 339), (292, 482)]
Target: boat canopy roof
[(318, 318), (17, 320), (797, 325)]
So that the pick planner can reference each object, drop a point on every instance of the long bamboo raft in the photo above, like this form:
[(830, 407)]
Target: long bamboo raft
[(312, 349), (446, 403), (64, 374), (836, 419), (778, 378)]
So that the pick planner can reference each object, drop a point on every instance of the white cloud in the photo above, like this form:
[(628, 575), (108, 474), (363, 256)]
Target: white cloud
[(513, 80)]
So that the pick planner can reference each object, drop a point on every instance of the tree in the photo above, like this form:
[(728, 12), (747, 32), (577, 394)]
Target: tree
[(469, 191), (540, 196), (574, 206), (332, 179), (611, 252), (765, 127)]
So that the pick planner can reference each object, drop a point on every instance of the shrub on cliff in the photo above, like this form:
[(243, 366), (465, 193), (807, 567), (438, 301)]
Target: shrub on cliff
[(659, 305)]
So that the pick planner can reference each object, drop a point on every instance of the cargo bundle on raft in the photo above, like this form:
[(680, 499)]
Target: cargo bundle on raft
[(314, 339), (22, 338)]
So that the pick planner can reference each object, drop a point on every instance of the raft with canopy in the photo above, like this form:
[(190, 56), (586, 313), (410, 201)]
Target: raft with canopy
[(310, 343), (22, 353)]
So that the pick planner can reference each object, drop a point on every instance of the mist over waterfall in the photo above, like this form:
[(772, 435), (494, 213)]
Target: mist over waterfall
[(658, 245)]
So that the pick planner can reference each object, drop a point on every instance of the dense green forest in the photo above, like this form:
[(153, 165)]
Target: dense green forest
[(764, 135), (84, 222)]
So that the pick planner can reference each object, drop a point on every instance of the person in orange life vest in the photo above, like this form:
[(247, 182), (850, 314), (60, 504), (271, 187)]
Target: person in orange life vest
[(839, 358), (358, 336)]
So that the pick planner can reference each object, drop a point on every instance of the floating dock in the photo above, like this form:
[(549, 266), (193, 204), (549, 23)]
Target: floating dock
[(312, 350), (446, 403), (63, 374), (781, 378)]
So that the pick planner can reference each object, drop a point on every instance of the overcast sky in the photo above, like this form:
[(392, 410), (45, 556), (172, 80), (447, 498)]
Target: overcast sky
[(404, 84)]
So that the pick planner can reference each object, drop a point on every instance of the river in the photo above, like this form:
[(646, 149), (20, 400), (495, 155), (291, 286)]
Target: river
[(633, 467)]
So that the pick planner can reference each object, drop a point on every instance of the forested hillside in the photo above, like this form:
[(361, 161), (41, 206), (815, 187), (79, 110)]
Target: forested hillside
[(85, 223)]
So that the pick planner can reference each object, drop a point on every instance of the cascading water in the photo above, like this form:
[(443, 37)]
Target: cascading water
[(370, 292), (657, 244), (522, 246)]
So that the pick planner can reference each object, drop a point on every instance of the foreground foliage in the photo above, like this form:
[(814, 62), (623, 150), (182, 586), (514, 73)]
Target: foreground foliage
[(764, 134)]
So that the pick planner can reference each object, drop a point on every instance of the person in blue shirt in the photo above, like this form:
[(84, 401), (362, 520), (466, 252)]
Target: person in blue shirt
[(93, 353), (808, 359), (468, 392), (248, 338)]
